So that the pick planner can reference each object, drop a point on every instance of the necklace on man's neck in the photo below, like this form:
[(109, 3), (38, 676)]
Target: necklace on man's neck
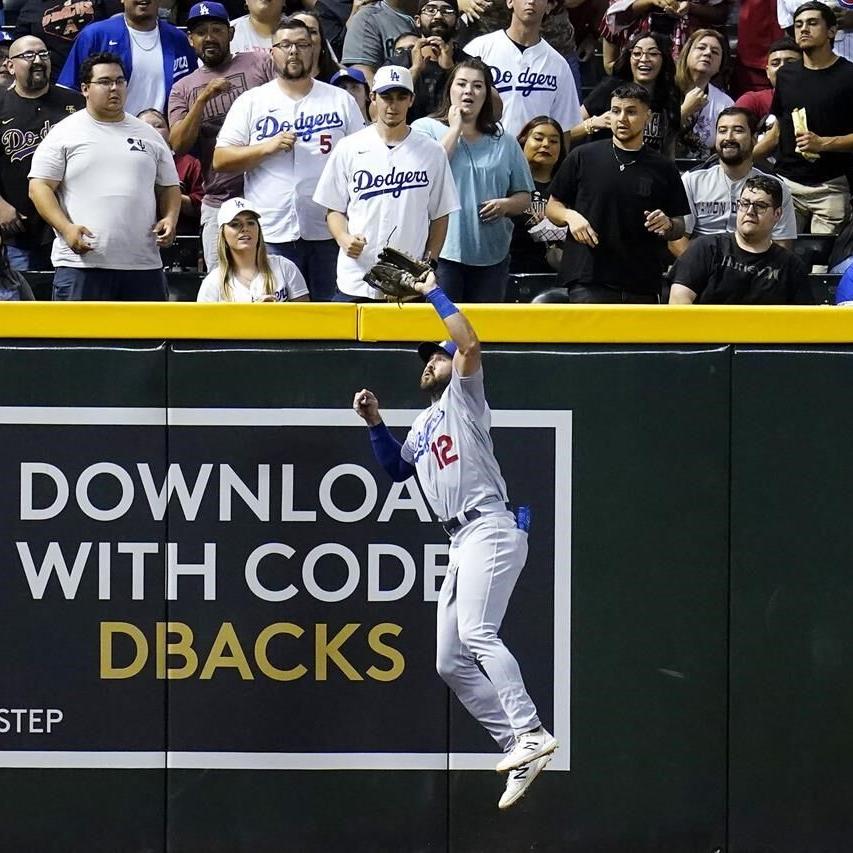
[(622, 164), (142, 46)]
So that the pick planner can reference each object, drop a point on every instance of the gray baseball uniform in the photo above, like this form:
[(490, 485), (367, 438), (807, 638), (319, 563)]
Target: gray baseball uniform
[(450, 447)]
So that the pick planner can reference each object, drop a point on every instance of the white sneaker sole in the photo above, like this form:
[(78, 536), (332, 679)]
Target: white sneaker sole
[(506, 764), (505, 802)]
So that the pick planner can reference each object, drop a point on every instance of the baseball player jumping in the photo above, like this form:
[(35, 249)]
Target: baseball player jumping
[(450, 449)]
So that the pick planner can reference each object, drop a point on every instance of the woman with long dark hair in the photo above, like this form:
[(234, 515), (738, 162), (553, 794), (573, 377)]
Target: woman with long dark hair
[(325, 63), (646, 60), (493, 181), (536, 241)]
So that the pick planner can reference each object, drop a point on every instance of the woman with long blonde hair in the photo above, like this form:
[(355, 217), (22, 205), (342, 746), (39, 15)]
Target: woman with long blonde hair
[(246, 273)]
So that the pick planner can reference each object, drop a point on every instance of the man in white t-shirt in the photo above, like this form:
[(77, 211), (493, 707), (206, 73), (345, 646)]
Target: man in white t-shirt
[(281, 134), (106, 183), (385, 186), (529, 75)]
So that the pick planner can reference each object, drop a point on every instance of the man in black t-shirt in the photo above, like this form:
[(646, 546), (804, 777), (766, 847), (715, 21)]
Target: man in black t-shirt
[(621, 202), (747, 267), (28, 111), (815, 162)]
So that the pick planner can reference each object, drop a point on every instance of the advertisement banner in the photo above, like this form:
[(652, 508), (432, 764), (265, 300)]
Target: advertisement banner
[(246, 588)]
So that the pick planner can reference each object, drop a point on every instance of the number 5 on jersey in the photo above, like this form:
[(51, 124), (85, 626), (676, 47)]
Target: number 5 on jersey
[(442, 449), (325, 143)]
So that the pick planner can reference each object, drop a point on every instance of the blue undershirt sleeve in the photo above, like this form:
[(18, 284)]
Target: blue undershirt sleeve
[(386, 449)]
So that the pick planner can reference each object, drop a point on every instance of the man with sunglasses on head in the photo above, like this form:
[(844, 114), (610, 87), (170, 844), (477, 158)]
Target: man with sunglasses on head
[(107, 183), (747, 267), (281, 135), (433, 55), (28, 110)]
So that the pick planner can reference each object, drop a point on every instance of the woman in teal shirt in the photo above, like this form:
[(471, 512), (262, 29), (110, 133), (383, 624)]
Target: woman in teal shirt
[(493, 181)]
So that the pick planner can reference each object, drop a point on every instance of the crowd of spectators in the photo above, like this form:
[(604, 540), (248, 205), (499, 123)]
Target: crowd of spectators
[(630, 151)]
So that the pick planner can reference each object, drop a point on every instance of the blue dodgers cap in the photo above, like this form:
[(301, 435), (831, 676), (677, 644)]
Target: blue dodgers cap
[(202, 12), (427, 349), (349, 74)]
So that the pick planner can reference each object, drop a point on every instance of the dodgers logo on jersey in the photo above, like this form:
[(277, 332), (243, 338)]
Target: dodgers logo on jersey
[(20, 145), (424, 437), (394, 183), (305, 126), (528, 81)]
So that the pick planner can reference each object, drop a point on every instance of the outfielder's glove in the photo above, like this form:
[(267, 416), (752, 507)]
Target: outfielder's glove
[(395, 273)]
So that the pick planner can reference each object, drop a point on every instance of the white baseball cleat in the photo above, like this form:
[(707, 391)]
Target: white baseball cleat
[(528, 747), (520, 780)]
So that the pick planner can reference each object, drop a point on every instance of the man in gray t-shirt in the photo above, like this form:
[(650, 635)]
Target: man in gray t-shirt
[(106, 183), (713, 192), (372, 32)]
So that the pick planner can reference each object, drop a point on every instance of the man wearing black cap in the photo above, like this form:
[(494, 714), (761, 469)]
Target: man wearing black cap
[(450, 449), (200, 101), (433, 55)]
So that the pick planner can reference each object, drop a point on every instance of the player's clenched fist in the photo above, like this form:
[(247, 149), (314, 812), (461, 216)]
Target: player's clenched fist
[(366, 406), (353, 244)]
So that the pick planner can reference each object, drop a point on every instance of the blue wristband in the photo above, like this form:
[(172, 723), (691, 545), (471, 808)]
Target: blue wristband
[(441, 302)]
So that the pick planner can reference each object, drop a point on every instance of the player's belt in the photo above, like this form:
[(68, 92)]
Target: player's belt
[(453, 524)]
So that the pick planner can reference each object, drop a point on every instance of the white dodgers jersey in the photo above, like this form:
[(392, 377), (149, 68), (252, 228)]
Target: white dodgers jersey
[(450, 446)]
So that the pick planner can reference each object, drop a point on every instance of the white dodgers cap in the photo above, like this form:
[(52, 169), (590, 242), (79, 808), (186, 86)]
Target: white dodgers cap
[(390, 77), (231, 208)]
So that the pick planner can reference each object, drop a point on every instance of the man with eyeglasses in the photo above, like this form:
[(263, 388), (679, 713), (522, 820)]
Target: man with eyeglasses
[(433, 55), (371, 34), (153, 52), (713, 192), (200, 101), (747, 267), (281, 135), (107, 184), (28, 111)]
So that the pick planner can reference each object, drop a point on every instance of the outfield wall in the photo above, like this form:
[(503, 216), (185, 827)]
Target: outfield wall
[(245, 662)]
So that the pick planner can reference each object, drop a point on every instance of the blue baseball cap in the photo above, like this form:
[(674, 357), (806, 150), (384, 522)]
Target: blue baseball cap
[(349, 74), (428, 349), (202, 12)]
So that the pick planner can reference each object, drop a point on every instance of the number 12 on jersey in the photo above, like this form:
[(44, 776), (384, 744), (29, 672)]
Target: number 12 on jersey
[(442, 449)]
